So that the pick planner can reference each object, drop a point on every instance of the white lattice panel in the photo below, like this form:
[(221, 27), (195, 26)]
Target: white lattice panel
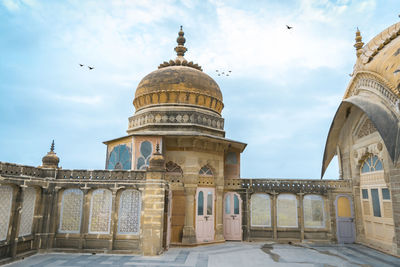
[(100, 212), (129, 212), (5, 210), (71, 211), (27, 212)]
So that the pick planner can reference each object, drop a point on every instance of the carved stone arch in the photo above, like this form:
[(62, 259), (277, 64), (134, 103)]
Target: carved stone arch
[(384, 119), (374, 81)]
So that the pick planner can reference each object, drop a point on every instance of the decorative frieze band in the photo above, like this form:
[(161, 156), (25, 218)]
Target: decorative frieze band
[(185, 117)]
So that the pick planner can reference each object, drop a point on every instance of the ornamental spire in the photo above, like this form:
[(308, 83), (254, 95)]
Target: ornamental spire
[(359, 44), (52, 146), (180, 49)]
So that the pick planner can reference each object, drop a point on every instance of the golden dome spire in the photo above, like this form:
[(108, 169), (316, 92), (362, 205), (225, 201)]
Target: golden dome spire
[(180, 49), (359, 44)]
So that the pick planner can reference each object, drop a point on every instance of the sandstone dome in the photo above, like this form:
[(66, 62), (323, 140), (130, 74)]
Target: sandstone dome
[(178, 82), (178, 85)]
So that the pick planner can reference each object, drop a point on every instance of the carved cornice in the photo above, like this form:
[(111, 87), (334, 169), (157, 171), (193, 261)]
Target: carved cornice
[(375, 83), (176, 118)]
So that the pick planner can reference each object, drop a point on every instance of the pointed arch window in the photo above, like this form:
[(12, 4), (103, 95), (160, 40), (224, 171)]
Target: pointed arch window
[(71, 211), (172, 167), (120, 158), (146, 149), (129, 212), (372, 164), (206, 170)]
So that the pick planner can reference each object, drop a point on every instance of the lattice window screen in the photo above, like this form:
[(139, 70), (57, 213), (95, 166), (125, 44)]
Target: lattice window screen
[(314, 214), (260, 210), (129, 212), (100, 212), (6, 194), (287, 210), (27, 212), (71, 211)]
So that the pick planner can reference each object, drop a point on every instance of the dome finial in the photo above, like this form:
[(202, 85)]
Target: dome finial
[(180, 49), (52, 146), (359, 44)]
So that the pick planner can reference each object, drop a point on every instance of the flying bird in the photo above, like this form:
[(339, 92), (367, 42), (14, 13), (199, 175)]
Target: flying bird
[(90, 68), (289, 27), (81, 65)]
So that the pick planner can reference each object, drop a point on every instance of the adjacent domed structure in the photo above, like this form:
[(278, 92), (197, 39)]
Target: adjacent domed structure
[(51, 160), (178, 97)]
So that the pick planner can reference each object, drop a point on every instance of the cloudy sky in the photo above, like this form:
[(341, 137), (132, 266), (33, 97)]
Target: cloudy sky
[(280, 99)]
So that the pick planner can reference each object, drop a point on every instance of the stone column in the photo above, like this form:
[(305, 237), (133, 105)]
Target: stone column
[(114, 214), (301, 216), (153, 207), (38, 218), (274, 215), (16, 220), (219, 233), (85, 217), (245, 213), (189, 233), (54, 215), (41, 229)]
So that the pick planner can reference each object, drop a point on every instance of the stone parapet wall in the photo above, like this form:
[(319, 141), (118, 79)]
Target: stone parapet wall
[(49, 186), (326, 190)]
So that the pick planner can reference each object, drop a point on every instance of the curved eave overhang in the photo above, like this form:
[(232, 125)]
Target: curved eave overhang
[(384, 120)]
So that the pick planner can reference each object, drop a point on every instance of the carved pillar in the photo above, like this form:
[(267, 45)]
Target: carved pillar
[(219, 229), (16, 220), (85, 217), (245, 211), (301, 216), (274, 215), (53, 216), (189, 234), (114, 214), (39, 216)]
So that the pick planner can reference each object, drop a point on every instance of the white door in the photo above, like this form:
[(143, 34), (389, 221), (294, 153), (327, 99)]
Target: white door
[(232, 216), (205, 214)]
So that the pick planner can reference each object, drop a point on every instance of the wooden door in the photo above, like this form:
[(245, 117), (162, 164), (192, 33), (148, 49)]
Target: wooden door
[(205, 214), (345, 219), (232, 216), (178, 215)]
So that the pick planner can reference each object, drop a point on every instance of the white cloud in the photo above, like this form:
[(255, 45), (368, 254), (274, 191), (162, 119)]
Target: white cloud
[(11, 5)]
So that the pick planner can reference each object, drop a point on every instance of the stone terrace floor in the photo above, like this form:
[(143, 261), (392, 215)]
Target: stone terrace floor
[(228, 254)]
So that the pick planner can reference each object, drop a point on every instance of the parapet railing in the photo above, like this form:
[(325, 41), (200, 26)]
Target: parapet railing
[(11, 169), (289, 185)]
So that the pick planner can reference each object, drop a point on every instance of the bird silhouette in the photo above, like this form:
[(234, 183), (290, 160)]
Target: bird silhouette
[(90, 68), (216, 70), (289, 27), (81, 65)]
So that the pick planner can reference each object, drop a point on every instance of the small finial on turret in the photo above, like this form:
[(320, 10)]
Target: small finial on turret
[(180, 49), (52, 146), (359, 44), (158, 145)]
